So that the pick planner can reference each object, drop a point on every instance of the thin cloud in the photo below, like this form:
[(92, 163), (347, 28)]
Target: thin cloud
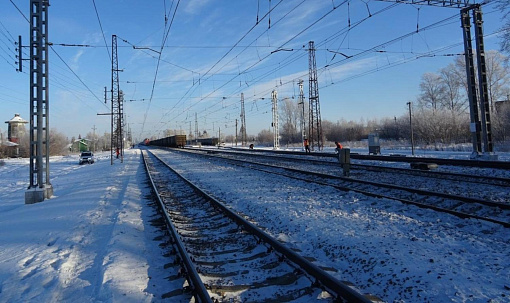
[(194, 7)]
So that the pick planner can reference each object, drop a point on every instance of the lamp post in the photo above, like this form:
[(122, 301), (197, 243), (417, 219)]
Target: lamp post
[(411, 125)]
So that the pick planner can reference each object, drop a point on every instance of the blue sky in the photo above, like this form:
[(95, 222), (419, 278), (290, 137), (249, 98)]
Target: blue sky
[(215, 51)]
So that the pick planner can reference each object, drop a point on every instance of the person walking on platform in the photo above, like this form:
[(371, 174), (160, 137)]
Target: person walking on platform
[(307, 145)]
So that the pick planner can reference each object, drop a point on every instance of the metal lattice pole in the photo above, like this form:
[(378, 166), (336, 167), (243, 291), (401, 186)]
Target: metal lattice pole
[(470, 74), (116, 126), (301, 102), (478, 129), (276, 133), (314, 122), (40, 187), (482, 81), (243, 123)]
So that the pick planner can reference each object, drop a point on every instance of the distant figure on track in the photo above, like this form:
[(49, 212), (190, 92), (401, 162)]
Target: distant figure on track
[(307, 145), (338, 147), (251, 146)]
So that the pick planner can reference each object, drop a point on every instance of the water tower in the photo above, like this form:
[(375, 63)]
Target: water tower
[(16, 128)]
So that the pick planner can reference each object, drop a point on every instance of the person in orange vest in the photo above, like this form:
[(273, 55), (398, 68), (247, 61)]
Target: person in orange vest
[(307, 145), (338, 147), (117, 152)]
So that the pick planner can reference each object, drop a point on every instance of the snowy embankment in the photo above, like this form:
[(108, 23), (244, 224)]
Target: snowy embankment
[(91, 242)]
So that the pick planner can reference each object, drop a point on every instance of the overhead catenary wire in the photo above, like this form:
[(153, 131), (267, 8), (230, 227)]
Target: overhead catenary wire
[(165, 37), (78, 77), (61, 59), (281, 46), (102, 31), (231, 48), (418, 56)]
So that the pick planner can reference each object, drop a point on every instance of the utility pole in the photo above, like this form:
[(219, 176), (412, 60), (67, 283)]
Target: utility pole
[(315, 121), (190, 132), (276, 134), (236, 132), (301, 102), (481, 130), (196, 128), (411, 126), (243, 123), (40, 187), (117, 100)]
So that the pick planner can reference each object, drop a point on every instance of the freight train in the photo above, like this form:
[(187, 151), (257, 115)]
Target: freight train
[(172, 141)]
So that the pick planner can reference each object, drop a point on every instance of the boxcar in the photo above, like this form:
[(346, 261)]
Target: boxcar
[(172, 141)]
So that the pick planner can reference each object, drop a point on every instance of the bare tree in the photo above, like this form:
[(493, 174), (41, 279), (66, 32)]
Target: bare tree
[(498, 76), (289, 116), (504, 6), (451, 82), (432, 91), (265, 137), (58, 143)]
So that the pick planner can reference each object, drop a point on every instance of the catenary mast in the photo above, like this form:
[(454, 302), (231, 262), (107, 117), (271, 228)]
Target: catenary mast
[(40, 187)]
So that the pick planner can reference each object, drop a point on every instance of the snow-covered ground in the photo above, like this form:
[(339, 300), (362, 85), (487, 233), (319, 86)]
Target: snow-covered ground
[(93, 241)]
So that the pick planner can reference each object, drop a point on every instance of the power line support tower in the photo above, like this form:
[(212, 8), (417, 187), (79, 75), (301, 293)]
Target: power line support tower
[(243, 123), (196, 128), (488, 151), (314, 121), (475, 125), (478, 105), (40, 187), (276, 133), (117, 100), (301, 103)]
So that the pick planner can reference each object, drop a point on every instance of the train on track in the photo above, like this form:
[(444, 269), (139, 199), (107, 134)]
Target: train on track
[(180, 141), (172, 141)]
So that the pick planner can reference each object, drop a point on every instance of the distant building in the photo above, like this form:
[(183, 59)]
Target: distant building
[(80, 145), (16, 128)]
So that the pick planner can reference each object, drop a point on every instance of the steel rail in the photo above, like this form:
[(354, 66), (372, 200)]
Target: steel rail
[(374, 167), (421, 205), (393, 158), (332, 284), (193, 278), (505, 206)]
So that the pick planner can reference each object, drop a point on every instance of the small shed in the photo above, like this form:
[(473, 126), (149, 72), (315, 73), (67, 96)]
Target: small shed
[(80, 145)]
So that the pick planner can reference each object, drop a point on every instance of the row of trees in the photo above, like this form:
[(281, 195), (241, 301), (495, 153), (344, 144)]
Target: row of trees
[(59, 144)]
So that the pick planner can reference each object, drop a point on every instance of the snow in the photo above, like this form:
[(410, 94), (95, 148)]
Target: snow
[(94, 241), (91, 242)]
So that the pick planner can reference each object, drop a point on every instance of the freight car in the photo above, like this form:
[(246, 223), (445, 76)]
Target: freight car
[(172, 141)]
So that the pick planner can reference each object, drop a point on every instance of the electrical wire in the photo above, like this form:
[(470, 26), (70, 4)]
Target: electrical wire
[(102, 31), (157, 67)]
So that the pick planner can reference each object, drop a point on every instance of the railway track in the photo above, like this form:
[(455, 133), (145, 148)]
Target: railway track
[(481, 187), (227, 258), (458, 205), (476, 177), (399, 158)]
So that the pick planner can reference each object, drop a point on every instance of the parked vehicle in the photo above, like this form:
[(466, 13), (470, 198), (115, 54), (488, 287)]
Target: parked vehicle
[(86, 157)]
